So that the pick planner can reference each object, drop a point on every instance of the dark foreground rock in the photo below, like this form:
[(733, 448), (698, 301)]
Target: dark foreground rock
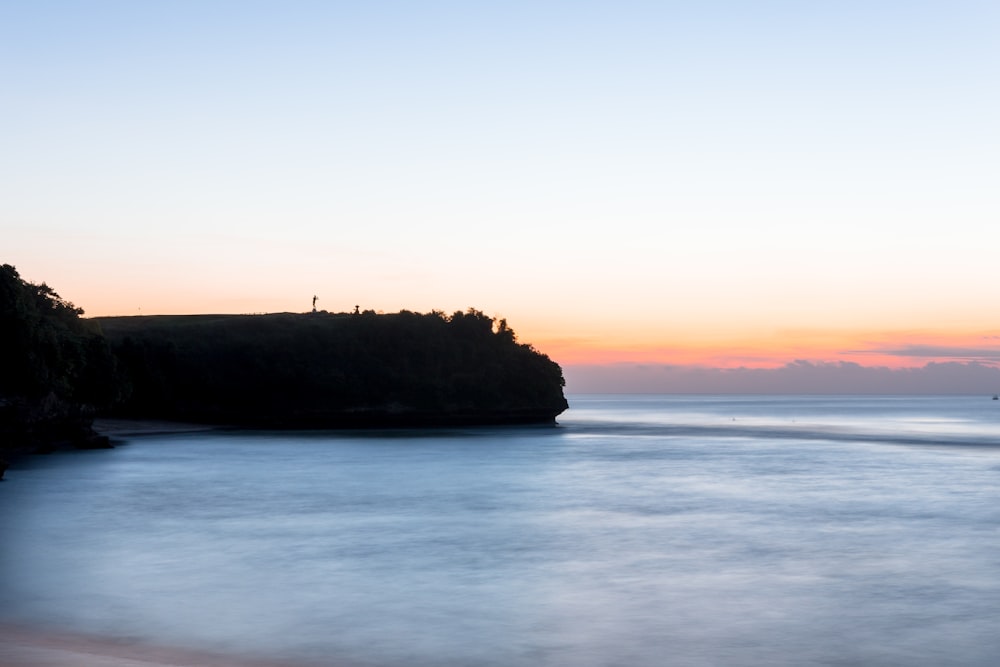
[(45, 425)]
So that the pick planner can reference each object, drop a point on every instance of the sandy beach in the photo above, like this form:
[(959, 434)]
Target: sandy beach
[(22, 646)]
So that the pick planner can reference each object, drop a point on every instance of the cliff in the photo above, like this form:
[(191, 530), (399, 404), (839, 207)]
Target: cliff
[(317, 370), (325, 370)]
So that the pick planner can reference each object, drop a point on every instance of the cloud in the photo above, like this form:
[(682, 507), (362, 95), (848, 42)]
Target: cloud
[(798, 377), (983, 355)]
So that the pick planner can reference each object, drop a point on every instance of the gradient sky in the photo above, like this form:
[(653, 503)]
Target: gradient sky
[(719, 184)]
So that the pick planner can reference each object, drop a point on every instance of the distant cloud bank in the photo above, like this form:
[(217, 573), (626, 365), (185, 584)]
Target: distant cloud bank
[(983, 355), (797, 377)]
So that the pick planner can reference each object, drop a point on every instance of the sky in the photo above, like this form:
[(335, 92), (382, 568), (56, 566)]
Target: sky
[(688, 189)]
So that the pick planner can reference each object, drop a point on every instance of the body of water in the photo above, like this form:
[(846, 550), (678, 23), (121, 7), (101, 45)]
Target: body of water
[(640, 531)]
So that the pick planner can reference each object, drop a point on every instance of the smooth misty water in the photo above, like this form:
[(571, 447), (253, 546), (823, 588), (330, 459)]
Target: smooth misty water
[(642, 531)]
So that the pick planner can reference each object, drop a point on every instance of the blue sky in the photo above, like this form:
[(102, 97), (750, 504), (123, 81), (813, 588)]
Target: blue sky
[(713, 183)]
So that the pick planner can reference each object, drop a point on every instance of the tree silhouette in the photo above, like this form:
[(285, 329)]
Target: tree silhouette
[(54, 367)]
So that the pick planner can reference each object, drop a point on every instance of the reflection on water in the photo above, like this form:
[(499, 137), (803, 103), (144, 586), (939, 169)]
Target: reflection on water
[(639, 532)]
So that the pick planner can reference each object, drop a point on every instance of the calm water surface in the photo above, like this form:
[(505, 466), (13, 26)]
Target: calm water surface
[(643, 530)]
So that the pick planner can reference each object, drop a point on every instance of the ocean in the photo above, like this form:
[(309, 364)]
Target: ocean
[(642, 530)]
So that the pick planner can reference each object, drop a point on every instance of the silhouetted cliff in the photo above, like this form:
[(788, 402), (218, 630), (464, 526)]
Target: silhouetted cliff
[(332, 370), (57, 370)]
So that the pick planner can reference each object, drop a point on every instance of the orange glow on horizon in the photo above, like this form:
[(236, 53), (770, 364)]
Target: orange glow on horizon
[(886, 349)]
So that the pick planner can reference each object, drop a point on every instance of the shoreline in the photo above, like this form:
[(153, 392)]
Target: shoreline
[(361, 420), (116, 427), (102, 433), (35, 646)]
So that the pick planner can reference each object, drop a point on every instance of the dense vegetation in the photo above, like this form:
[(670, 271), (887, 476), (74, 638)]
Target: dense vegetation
[(323, 369), (57, 370)]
